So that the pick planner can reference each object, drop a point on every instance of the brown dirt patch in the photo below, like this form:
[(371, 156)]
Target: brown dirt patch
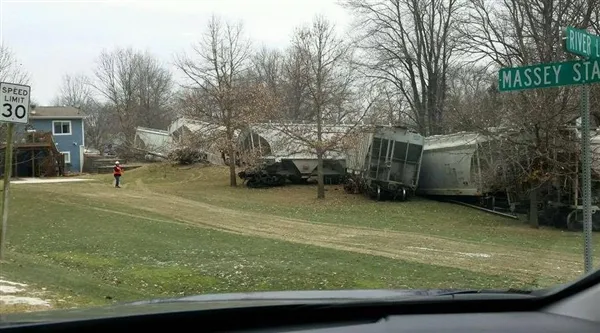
[(525, 264)]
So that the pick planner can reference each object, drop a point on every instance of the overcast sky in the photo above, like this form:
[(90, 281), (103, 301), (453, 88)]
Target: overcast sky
[(52, 38)]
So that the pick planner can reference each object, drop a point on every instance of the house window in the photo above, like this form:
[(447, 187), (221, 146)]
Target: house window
[(60, 127), (67, 156)]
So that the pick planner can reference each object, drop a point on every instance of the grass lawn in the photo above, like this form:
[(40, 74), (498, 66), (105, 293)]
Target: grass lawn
[(418, 215), (182, 231)]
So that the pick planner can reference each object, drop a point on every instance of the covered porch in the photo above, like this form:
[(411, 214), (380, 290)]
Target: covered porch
[(34, 155)]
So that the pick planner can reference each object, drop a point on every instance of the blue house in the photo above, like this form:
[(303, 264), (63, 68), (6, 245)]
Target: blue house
[(67, 127)]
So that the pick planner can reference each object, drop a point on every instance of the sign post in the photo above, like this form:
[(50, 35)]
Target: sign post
[(14, 99), (584, 44), (579, 72), (586, 178), (7, 175)]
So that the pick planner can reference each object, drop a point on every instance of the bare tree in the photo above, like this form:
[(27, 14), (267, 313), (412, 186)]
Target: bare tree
[(154, 93), (116, 81), (267, 67), (296, 102), (323, 69), (75, 91), (11, 69), (519, 32), (219, 90), (473, 101), (389, 107), (410, 44), (99, 120), (137, 88)]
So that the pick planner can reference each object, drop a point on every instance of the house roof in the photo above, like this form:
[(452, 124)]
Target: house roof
[(56, 112)]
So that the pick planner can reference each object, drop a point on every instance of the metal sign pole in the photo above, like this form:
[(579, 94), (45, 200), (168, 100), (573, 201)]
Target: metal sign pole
[(15, 109), (5, 194), (586, 175), (565, 74)]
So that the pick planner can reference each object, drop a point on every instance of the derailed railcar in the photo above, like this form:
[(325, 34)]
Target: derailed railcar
[(458, 164), (281, 155), (385, 163), (470, 168), (465, 166)]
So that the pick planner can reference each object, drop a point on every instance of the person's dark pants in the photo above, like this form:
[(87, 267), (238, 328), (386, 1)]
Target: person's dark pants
[(117, 180)]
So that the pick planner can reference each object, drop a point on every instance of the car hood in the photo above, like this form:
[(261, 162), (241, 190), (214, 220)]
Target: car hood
[(218, 301)]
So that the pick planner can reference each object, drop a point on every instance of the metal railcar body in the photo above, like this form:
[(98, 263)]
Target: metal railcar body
[(462, 166), (469, 168), (386, 163), (452, 165), (285, 157)]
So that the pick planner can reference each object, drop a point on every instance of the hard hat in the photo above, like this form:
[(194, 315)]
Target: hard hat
[(117, 162)]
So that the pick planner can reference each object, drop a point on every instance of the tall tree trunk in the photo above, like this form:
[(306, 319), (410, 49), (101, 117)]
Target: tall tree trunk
[(533, 209), (320, 151), (320, 178), (232, 176), (422, 123)]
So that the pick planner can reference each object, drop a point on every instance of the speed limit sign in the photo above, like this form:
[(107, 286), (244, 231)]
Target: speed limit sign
[(14, 99)]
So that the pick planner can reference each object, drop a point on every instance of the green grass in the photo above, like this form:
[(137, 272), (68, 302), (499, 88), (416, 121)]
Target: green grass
[(418, 215), (91, 251), (101, 257)]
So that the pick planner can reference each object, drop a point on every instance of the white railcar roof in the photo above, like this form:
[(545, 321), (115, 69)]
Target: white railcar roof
[(296, 140), (453, 140), (461, 138), (198, 126), (159, 132), (154, 140)]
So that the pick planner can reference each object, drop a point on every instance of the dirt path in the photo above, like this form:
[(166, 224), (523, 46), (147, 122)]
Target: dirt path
[(524, 264)]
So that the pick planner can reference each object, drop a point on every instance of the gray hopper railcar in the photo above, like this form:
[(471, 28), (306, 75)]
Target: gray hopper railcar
[(469, 168), (453, 165), (466, 167), (385, 163)]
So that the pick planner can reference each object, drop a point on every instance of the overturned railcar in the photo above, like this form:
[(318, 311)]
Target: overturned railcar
[(385, 163)]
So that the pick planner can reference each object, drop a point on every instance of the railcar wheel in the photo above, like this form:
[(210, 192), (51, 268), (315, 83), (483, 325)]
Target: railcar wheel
[(281, 180), (350, 186), (371, 193), (575, 221), (252, 183), (576, 224), (404, 196)]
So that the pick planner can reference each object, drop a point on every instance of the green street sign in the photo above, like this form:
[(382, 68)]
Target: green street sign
[(582, 43), (549, 75)]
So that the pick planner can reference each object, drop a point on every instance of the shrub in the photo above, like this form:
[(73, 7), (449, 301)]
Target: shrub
[(187, 155)]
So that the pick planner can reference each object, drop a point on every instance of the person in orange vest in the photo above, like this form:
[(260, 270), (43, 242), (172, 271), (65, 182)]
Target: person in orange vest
[(118, 172)]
